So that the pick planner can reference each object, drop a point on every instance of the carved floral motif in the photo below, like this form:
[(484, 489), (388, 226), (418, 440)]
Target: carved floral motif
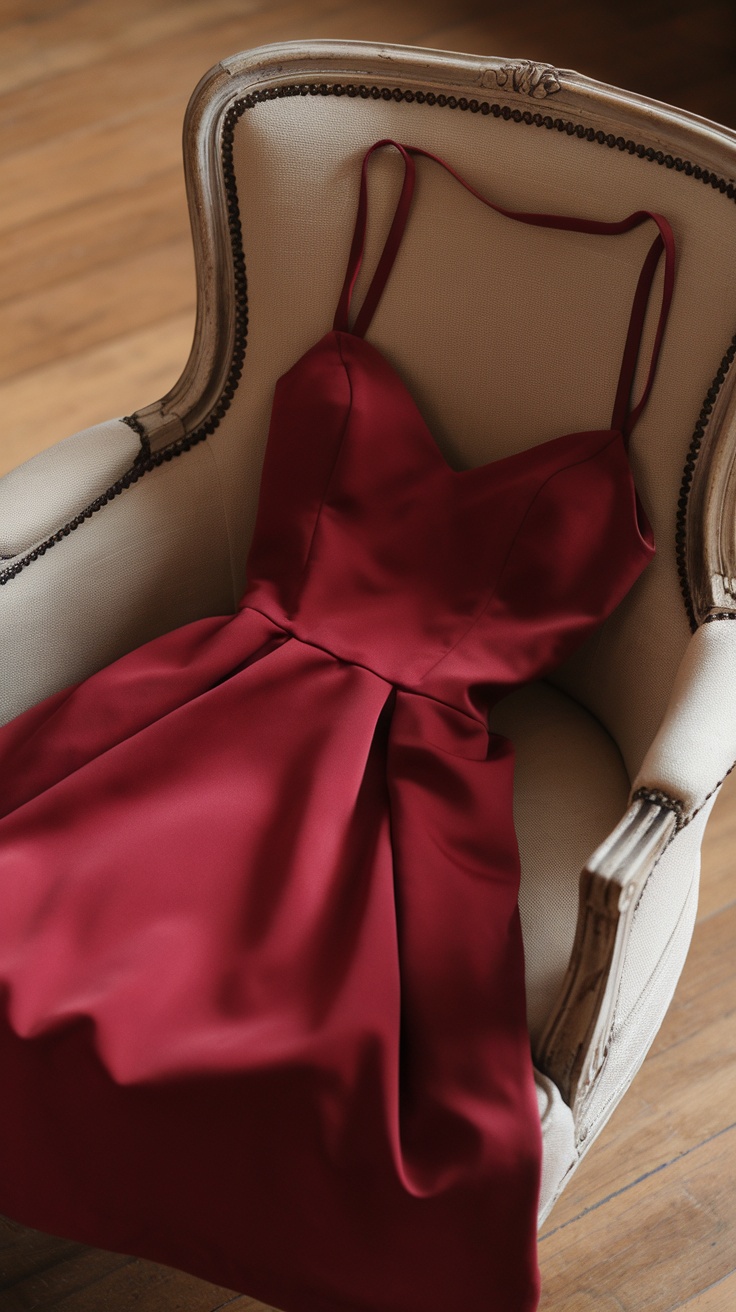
[(538, 80)]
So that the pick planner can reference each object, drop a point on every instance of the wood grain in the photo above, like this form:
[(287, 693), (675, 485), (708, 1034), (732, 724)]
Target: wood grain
[(665, 1225), (95, 234), (718, 887), (686, 1091), (97, 311), (719, 1297), (100, 383)]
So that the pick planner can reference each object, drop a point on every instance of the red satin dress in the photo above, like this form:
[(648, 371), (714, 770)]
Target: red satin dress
[(262, 974)]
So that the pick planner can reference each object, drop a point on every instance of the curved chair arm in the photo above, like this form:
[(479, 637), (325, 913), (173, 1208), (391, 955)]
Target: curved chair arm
[(695, 746), (39, 497), (574, 1045), (693, 751)]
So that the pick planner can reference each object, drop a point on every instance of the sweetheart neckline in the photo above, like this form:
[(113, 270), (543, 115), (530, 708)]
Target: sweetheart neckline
[(431, 441)]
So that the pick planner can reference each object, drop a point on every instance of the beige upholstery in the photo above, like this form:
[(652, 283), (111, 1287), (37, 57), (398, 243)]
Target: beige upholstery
[(570, 790), (140, 566), (558, 1137), (506, 337), (696, 744), (53, 486)]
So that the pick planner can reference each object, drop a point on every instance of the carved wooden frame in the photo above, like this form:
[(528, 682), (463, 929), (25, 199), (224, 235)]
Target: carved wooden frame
[(574, 1045), (573, 1049)]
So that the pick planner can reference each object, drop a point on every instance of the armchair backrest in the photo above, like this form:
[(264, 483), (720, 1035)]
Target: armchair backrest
[(507, 335)]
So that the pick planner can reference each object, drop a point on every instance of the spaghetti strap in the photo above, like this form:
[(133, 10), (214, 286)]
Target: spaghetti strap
[(624, 418), (390, 249), (625, 415)]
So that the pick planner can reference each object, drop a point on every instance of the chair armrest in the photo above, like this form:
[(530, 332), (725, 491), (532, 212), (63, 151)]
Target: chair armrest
[(692, 752), (574, 1044), (38, 497), (695, 746)]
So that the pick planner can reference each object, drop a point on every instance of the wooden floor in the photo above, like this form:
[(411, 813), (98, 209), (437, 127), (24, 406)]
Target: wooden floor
[(96, 314)]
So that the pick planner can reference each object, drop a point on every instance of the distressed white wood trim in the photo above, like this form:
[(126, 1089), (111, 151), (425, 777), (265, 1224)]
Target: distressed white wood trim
[(573, 1048)]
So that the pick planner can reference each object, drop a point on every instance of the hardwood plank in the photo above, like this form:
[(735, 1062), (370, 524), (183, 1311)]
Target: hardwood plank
[(654, 1244), (105, 230), (58, 1277), (145, 1286), (24, 1252), (720, 1297), (241, 1303), (109, 154), (82, 34), (86, 1279), (103, 158), (685, 1091), (97, 91), (654, 1124), (718, 881), (45, 405), (97, 307)]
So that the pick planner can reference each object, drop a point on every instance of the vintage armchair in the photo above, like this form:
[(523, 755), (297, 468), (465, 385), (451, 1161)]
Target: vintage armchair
[(128, 529)]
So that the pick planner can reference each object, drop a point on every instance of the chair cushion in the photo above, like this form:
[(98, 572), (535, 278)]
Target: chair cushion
[(153, 558), (43, 493), (559, 1154), (571, 789)]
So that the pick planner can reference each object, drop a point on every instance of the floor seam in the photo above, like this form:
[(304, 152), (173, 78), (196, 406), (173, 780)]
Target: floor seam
[(689, 1301), (633, 1183)]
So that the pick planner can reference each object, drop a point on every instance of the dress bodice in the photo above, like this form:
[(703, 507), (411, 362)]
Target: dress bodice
[(369, 545)]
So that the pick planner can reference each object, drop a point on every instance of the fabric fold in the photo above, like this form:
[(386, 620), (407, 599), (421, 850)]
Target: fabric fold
[(261, 968)]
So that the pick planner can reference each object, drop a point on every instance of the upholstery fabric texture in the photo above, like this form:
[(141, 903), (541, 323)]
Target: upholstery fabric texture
[(558, 1137), (695, 746), (56, 484)]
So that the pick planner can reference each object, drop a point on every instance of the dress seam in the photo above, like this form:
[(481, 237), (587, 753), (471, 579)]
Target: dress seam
[(299, 583), (497, 583), (344, 660)]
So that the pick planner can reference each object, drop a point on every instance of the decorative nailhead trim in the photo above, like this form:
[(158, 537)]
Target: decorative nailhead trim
[(147, 460), (133, 422), (664, 800), (682, 818), (687, 479), (720, 615), (710, 794)]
